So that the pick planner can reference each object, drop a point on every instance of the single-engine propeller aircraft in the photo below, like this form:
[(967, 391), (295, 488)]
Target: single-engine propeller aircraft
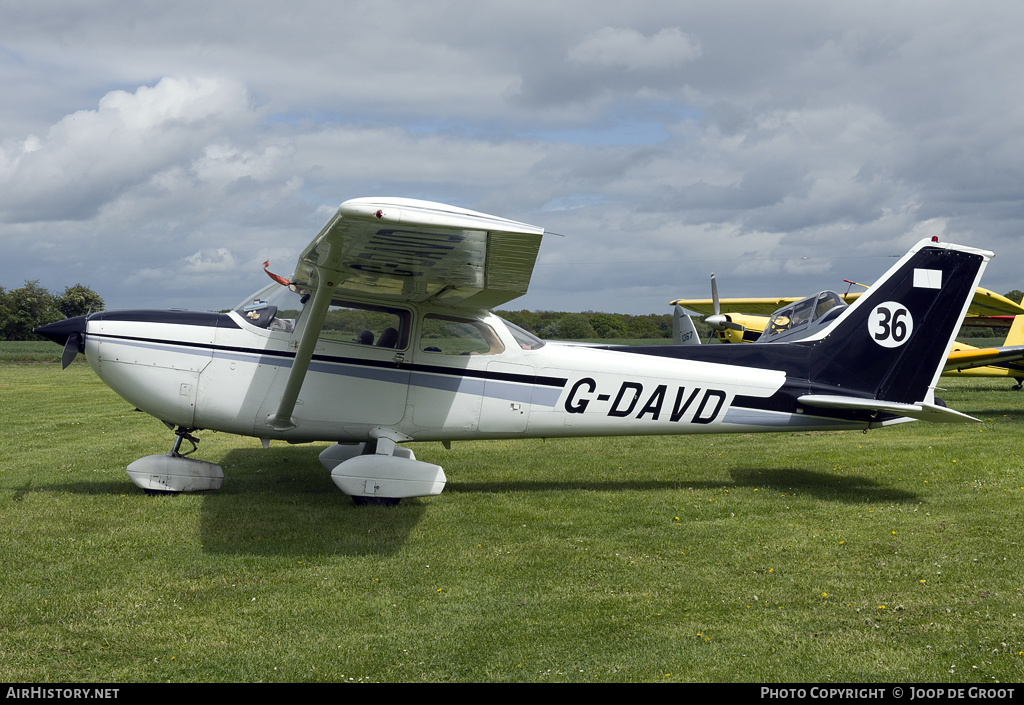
[(800, 318), (382, 336)]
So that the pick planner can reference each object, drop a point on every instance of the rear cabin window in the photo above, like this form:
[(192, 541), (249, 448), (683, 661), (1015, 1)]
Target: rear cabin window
[(450, 335)]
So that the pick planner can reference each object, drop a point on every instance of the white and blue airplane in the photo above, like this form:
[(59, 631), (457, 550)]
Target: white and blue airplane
[(383, 337)]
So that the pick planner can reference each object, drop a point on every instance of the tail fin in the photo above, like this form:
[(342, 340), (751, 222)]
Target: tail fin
[(1016, 334), (892, 343), (683, 330)]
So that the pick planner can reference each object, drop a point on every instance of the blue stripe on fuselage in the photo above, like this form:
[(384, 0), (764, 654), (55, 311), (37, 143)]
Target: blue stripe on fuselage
[(540, 390)]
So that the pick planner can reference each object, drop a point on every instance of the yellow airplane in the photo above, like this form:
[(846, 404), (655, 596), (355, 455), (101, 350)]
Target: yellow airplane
[(969, 361), (772, 319)]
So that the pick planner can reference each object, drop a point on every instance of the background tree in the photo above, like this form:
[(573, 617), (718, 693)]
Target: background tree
[(31, 306), (26, 308), (607, 325), (572, 326), (79, 300)]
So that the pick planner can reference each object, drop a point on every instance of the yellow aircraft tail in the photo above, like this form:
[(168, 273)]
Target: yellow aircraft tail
[(1016, 334)]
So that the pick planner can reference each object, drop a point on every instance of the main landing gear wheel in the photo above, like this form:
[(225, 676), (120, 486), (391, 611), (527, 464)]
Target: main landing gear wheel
[(160, 493), (375, 501), (379, 473)]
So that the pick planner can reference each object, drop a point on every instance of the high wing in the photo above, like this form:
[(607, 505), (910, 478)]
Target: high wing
[(759, 306), (988, 303), (400, 249), (985, 304), (987, 308)]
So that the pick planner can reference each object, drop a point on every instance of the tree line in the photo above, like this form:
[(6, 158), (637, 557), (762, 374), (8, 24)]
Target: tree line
[(559, 325), (31, 306)]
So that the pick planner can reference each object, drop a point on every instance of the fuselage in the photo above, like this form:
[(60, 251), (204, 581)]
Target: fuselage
[(443, 375)]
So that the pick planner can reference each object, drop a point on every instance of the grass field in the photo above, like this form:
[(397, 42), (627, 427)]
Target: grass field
[(893, 556)]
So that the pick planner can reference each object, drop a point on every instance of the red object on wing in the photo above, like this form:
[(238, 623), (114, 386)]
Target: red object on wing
[(276, 277)]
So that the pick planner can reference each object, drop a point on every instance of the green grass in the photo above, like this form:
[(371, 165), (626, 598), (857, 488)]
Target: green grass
[(892, 556), (29, 351)]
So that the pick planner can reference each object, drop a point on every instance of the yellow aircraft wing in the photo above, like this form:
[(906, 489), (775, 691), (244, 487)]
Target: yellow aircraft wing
[(763, 306), (989, 303), (984, 304), (965, 357), (995, 362)]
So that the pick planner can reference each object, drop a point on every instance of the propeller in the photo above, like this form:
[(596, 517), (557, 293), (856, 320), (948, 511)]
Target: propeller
[(718, 321), (70, 333), (71, 349)]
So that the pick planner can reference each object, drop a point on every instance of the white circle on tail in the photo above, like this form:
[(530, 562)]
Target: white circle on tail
[(890, 324)]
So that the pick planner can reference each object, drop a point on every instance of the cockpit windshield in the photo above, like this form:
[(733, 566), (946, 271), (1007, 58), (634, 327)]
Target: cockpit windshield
[(526, 339), (275, 307)]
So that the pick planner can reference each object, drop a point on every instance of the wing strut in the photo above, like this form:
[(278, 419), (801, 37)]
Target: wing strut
[(282, 419)]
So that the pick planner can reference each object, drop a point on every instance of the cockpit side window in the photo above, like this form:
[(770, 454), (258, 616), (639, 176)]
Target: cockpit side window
[(827, 300), (802, 313), (365, 324), (451, 335), (278, 308)]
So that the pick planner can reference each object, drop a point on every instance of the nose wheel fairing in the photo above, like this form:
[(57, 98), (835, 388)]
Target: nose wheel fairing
[(175, 472)]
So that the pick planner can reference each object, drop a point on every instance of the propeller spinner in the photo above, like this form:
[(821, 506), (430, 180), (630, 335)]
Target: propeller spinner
[(70, 333)]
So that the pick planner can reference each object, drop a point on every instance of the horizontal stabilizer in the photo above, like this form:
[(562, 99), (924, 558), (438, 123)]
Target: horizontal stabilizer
[(921, 410)]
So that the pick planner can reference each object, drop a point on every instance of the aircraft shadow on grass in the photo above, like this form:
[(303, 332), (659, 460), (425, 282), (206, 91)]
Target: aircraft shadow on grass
[(997, 414), (841, 488), (276, 502), (296, 512), (824, 486)]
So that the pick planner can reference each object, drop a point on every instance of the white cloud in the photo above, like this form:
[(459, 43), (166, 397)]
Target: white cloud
[(210, 261), (90, 156), (625, 48), (663, 140)]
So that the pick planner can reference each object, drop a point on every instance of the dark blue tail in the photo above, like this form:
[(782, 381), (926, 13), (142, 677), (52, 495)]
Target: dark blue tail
[(892, 343)]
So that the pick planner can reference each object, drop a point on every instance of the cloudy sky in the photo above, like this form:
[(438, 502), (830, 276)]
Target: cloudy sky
[(159, 152)]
